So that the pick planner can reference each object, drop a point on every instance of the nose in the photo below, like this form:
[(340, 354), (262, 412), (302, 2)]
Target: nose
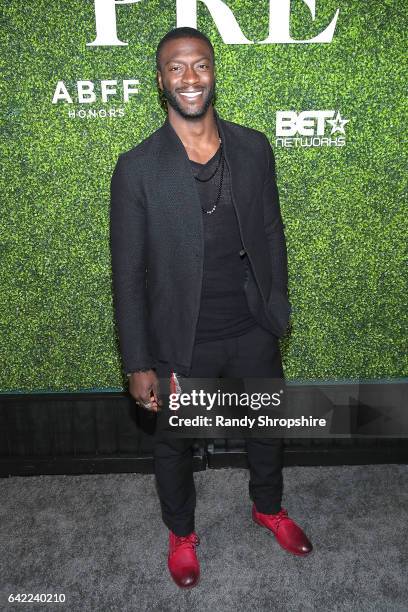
[(190, 75)]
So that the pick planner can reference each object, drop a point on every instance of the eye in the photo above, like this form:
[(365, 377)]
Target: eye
[(204, 66), (174, 68)]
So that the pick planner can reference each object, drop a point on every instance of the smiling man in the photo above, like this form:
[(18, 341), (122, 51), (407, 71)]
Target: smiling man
[(200, 279)]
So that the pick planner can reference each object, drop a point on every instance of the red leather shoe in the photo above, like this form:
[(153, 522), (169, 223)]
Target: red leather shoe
[(182, 560), (288, 534)]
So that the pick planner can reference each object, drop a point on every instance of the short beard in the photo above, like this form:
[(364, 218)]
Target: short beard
[(195, 115)]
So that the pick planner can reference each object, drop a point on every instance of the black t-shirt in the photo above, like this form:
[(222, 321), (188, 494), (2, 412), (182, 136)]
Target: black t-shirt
[(224, 311)]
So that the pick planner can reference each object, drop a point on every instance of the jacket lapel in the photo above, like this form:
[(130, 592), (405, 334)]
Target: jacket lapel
[(242, 167), (176, 178)]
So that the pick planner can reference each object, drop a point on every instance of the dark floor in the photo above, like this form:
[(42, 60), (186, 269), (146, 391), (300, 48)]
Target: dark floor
[(99, 539)]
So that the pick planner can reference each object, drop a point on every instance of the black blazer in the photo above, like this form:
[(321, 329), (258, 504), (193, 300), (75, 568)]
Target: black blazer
[(157, 245)]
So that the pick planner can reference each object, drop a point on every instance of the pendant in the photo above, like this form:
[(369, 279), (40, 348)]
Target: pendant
[(210, 212)]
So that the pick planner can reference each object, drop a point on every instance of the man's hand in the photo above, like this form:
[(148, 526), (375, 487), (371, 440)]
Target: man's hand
[(145, 389)]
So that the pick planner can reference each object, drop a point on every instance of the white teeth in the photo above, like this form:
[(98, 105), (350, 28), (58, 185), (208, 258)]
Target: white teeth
[(191, 95)]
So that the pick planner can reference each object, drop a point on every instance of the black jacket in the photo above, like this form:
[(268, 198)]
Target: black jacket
[(157, 243)]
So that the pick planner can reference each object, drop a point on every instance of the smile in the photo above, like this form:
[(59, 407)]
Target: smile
[(191, 95)]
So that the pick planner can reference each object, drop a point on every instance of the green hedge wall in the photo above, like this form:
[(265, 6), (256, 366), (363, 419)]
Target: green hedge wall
[(343, 207)]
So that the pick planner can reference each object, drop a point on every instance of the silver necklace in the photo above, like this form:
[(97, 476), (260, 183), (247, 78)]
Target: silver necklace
[(220, 163)]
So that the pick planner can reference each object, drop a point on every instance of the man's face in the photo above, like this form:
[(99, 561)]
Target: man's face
[(186, 76)]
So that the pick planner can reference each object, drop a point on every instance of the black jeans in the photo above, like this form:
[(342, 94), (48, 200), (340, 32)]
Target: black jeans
[(254, 354)]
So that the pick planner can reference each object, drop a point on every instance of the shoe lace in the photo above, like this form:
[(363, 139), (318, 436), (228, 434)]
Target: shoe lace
[(282, 514), (189, 541)]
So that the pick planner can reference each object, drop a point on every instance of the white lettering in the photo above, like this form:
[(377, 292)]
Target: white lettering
[(223, 17), (61, 93), (224, 20), (286, 123), (86, 94), (279, 24), (321, 120), (289, 123), (87, 91), (105, 23), (106, 91)]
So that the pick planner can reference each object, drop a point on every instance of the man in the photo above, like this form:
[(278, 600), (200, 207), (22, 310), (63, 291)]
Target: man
[(200, 279)]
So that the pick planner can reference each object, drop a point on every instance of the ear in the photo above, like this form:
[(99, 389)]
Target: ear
[(159, 79)]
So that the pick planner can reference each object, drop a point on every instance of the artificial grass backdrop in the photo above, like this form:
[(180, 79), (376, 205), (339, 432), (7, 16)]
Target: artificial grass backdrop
[(342, 206)]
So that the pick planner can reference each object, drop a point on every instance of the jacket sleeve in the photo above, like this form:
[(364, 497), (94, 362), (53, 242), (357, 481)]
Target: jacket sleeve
[(274, 226), (127, 245)]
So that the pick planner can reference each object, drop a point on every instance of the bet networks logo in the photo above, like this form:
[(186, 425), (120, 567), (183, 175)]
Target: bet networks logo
[(311, 128)]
